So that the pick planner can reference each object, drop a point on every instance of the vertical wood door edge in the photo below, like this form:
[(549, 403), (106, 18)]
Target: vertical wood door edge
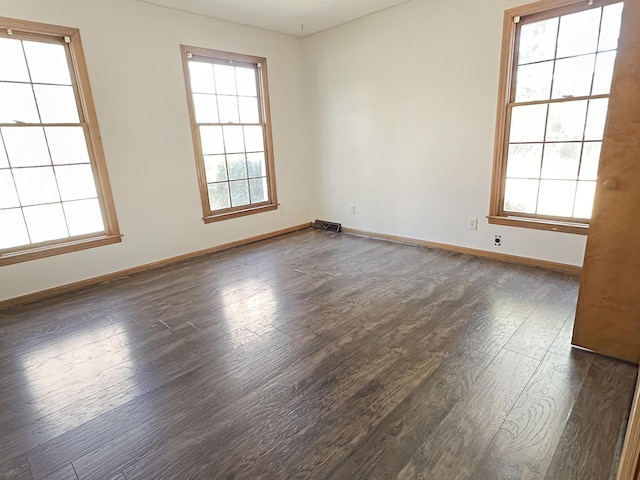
[(608, 310), (630, 457)]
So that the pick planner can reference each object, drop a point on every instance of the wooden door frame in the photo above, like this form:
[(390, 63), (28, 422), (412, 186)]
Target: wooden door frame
[(630, 457)]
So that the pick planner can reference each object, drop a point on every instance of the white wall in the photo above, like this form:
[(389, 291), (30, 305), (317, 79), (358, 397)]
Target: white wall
[(133, 55), (404, 105), (394, 113)]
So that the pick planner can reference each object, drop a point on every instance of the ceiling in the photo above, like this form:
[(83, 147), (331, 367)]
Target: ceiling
[(285, 16)]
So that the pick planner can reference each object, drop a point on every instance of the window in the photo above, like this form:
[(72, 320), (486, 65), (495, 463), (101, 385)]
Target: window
[(556, 74), (229, 108), (54, 190)]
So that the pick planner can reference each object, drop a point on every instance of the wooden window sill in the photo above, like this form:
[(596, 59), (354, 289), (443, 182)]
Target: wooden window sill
[(540, 224), (217, 217), (57, 249)]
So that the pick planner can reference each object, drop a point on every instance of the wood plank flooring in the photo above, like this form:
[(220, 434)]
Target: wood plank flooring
[(310, 356)]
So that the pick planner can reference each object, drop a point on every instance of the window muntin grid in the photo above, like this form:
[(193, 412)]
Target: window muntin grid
[(563, 67), (231, 126), (48, 191)]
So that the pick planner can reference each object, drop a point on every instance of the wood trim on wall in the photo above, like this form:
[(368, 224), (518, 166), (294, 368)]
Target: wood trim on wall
[(506, 70), (96, 153), (501, 257), (58, 249), (28, 26), (628, 469), (539, 224), (52, 292), (542, 5), (240, 213)]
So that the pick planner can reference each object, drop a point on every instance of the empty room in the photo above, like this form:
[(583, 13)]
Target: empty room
[(319, 239)]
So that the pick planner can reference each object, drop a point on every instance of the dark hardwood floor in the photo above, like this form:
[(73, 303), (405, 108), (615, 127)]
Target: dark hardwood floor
[(310, 356)]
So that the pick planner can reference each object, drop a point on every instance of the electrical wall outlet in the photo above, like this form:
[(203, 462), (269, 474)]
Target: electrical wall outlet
[(497, 240), (473, 223), (352, 209)]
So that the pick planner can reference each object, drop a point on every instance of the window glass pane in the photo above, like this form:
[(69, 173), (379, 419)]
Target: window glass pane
[(26, 146), (57, 104), (219, 196), (225, 79), (256, 164), (590, 160), (237, 166), (604, 73), (249, 110), (556, 198), (18, 103), (233, 139), (215, 168), (36, 185), (259, 192), (527, 123), (521, 195), (579, 33), (538, 41), (46, 222), (566, 121), (201, 77), (246, 78), (211, 138), (596, 119), (13, 66), (573, 77), (561, 160), (4, 161), (8, 194), (228, 109), (14, 231), (47, 63), (83, 216), (524, 160), (253, 139), (584, 199), (205, 108), (67, 145), (75, 182), (239, 192), (534, 82), (610, 29)]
